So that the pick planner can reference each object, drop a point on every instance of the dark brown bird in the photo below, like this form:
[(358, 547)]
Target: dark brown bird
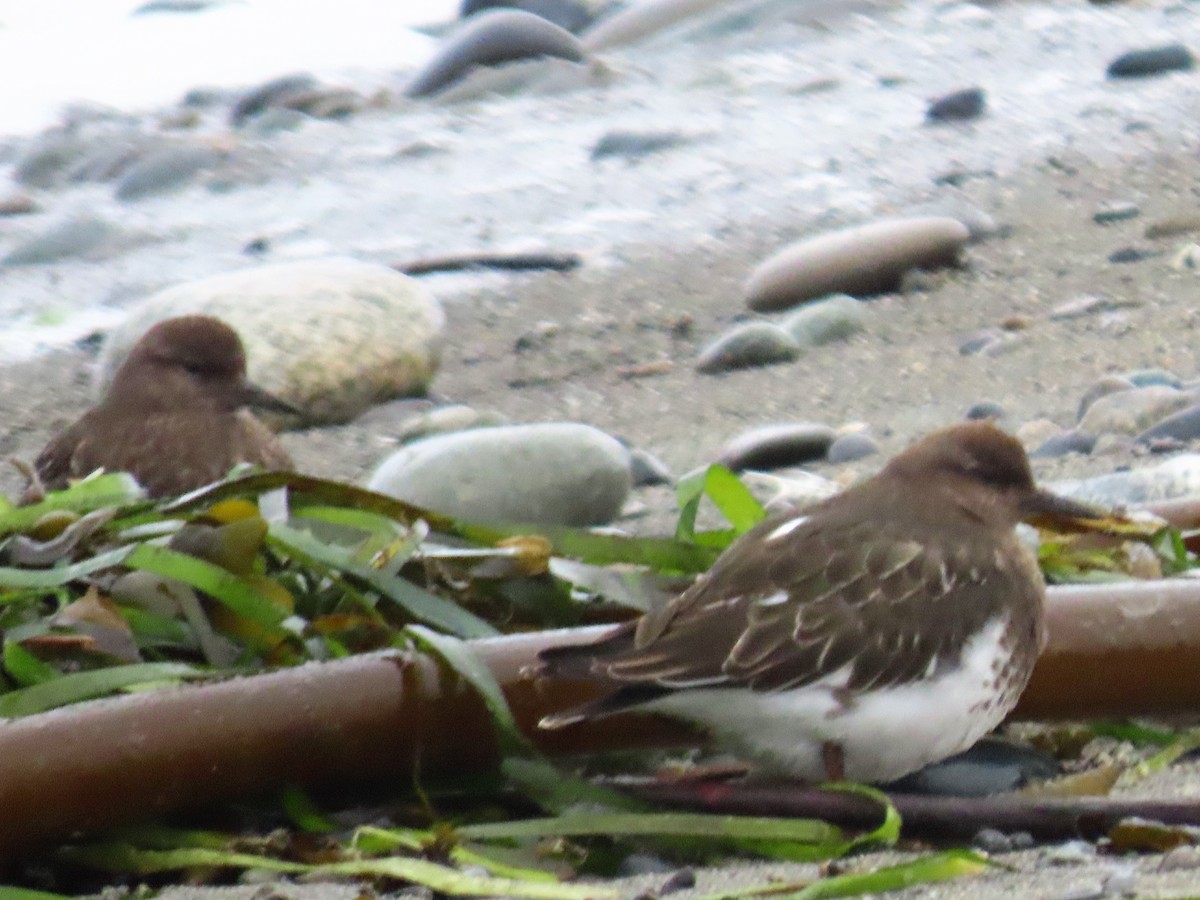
[(174, 417), (886, 628)]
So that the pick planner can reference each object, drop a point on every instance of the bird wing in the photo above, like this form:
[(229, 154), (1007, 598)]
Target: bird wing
[(53, 464), (815, 600)]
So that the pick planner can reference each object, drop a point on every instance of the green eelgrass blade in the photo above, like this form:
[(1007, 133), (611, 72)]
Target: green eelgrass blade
[(87, 685)]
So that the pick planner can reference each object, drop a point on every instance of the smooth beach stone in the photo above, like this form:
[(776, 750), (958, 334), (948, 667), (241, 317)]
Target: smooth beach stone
[(77, 237), (958, 106), (862, 261), (166, 169), (51, 156), (446, 419), (984, 409), (1172, 227), (1183, 425), (1073, 441), (1109, 384), (638, 21), (851, 447), (1176, 479), (636, 144), (992, 766), (558, 473), (1151, 61), (490, 38), (259, 99), (777, 446), (1116, 211), (1132, 411), (1148, 377), (332, 337), (566, 14), (835, 318), (647, 469), (747, 345)]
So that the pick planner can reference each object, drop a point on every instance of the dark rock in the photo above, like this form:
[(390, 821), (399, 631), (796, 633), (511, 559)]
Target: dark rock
[(850, 447), (747, 345), (1130, 255), (18, 205), (959, 106), (1067, 442), (568, 14), (636, 144), (777, 446), (1116, 211), (1151, 61)]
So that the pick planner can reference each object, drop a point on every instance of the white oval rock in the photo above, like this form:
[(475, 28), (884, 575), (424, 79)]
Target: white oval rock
[(556, 473), (331, 337), (860, 261)]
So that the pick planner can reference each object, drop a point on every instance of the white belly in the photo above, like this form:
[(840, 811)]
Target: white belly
[(883, 734)]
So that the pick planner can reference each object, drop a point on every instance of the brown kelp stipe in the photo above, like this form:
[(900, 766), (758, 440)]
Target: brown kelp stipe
[(1114, 651)]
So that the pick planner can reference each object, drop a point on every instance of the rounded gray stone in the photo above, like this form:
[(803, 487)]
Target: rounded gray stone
[(1176, 479), (1109, 384), (777, 446), (331, 337), (166, 169), (638, 21), (1133, 411), (488, 39), (862, 261), (1147, 377), (558, 473), (850, 447), (835, 318), (1182, 425), (747, 345), (76, 237)]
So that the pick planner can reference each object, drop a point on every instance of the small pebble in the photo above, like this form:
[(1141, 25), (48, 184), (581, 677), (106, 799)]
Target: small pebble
[(1186, 258), (851, 447), (647, 469), (1176, 429), (1121, 881), (1067, 442), (1109, 384), (1172, 227), (748, 345), (991, 840), (1147, 377), (1133, 411), (1116, 211), (984, 410), (958, 106), (1129, 255), (1151, 61), (679, 880), (777, 446), (636, 144)]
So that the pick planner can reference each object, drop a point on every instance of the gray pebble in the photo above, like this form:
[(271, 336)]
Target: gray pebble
[(257, 100), (958, 106), (985, 409), (1067, 442), (1151, 61), (647, 469), (989, 342), (746, 345), (1172, 227), (834, 318), (1133, 411), (1175, 479), (1148, 377), (83, 237), (559, 473), (636, 144), (50, 157), (850, 447), (777, 446), (1109, 384), (1116, 211), (166, 169), (1181, 426), (990, 840)]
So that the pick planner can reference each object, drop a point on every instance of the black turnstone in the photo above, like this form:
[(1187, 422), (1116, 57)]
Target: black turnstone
[(888, 627), (175, 415)]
